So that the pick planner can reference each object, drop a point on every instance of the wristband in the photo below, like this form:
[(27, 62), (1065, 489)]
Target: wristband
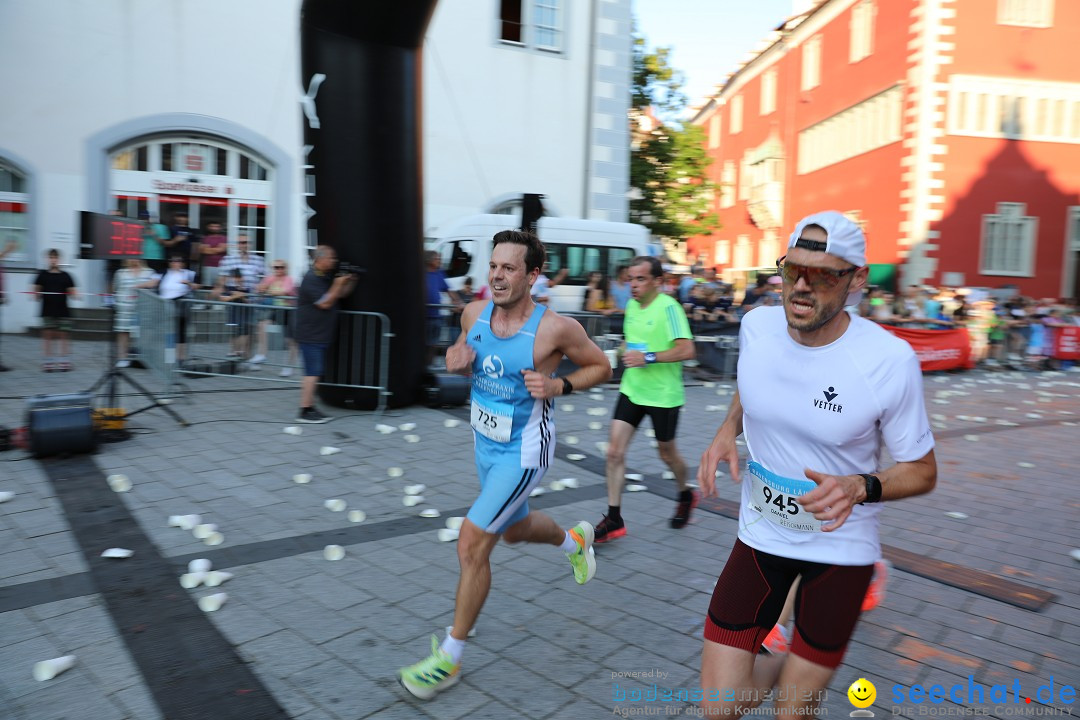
[(873, 488), (567, 388)]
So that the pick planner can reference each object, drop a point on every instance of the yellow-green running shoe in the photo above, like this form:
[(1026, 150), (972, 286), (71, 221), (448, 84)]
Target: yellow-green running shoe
[(432, 675), (583, 560)]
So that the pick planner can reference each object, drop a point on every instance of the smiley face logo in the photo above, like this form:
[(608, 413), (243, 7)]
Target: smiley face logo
[(862, 693)]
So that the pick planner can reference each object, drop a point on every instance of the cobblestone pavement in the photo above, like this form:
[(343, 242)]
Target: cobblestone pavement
[(313, 639)]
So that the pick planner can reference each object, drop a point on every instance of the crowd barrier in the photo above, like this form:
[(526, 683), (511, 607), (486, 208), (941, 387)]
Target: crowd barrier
[(195, 336)]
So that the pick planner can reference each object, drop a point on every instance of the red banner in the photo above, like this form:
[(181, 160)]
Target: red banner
[(937, 349), (1066, 343)]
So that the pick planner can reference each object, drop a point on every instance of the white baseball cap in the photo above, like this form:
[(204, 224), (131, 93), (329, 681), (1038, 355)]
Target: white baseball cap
[(844, 239)]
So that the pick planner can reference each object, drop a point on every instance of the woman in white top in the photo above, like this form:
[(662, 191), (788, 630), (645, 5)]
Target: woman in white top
[(177, 282)]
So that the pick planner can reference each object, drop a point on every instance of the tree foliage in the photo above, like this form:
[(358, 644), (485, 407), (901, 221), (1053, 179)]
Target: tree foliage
[(668, 162)]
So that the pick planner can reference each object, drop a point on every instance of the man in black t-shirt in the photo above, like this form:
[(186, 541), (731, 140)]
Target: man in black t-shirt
[(53, 286), (316, 321)]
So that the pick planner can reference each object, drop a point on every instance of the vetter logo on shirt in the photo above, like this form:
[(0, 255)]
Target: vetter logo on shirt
[(493, 366), (827, 403)]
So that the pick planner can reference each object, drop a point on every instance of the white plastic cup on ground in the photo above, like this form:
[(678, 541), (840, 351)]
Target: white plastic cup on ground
[(357, 516), (385, 429), (635, 477), (333, 552), (214, 538), (335, 505), (451, 423), (301, 478), (415, 489), (571, 440), (119, 553), (570, 483), (455, 522), (412, 500), (294, 430), (596, 425), (395, 472), (6, 495), (119, 483), (447, 535), (406, 427), (412, 438), (537, 491), (48, 669), (430, 513), (192, 580), (204, 531), (556, 485), (327, 450), (188, 522), (199, 565), (212, 603), (216, 577)]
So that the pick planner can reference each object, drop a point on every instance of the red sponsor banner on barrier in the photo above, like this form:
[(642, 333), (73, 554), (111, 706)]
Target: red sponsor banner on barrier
[(937, 349), (1067, 343)]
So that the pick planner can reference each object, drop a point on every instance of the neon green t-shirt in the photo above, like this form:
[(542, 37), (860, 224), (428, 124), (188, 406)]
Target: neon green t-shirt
[(654, 329)]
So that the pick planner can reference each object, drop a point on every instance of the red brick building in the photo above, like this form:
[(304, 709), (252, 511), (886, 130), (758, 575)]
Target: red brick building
[(949, 128)]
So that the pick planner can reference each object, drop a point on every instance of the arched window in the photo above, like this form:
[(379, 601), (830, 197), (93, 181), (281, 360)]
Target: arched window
[(14, 215)]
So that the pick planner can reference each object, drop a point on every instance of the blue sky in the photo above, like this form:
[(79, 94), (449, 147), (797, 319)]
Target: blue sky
[(708, 37)]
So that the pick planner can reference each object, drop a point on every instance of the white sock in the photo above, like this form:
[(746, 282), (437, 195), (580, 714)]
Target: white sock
[(569, 544), (453, 647)]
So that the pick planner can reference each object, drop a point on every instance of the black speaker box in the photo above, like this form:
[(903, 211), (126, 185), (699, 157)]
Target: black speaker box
[(59, 424)]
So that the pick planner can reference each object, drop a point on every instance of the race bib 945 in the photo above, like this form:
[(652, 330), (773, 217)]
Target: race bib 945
[(775, 496)]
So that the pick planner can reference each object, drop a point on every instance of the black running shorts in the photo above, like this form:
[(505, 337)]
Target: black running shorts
[(664, 420), (750, 595)]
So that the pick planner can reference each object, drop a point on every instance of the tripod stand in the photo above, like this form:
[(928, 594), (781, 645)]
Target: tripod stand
[(111, 378)]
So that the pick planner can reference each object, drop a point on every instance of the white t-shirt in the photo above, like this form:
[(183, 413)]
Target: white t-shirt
[(827, 409), (541, 288), (172, 284)]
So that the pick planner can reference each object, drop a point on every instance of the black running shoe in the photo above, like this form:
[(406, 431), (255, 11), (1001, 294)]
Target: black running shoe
[(682, 511), (311, 415), (607, 530)]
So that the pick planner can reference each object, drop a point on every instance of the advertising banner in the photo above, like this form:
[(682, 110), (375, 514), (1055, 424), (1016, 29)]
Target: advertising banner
[(938, 349), (1067, 343)]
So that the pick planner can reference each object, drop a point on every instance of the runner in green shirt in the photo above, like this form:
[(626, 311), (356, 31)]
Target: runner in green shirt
[(658, 340)]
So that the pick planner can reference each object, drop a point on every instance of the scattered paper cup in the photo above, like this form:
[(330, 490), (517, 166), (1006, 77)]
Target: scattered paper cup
[(1025, 464), (395, 472), (199, 565), (188, 522), (6, 495), (571, 440), (327, 450), (635, 477), (412, 500), (597, 411), (357, 516), (214, 538), (412, 438), (668, 475), (455, 522), (192, 580), (596, 425), (335, 505), (602, 446), (451, 423), (119, 483), (415, 489), (556, 485), (212, 603), (294, 430), (447, 535), (636, 487), (575, 456), (570, 482), (971, 438), (117, 553), (216, 577), (429, 513), (471, 633), (333, 552), (956, 515), (567, 408), (1075, 554), (204, 531), (301, 478), (537, 492), (48, 669), (406, 427)]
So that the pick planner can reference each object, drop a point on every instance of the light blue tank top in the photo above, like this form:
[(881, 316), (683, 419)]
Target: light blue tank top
[(509, 425)]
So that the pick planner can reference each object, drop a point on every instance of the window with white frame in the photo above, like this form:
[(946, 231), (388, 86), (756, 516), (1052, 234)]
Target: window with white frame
[(727, 184), (1026, 13), (735, 121), (862, 30), (1012, 108), (745, 180), (722, 252), (873, 123), (547, 31), (743, 252), (811, 63), (714, 131), (768, 92), (1008, 241), (14, 216)]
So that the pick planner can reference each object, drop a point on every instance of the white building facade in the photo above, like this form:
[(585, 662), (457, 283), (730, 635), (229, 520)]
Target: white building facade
[(192, 106)]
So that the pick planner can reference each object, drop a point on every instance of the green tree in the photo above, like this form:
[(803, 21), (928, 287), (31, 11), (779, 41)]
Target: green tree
[(672, 194)]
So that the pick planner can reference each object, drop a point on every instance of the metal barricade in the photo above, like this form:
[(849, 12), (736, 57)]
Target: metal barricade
[(155, 334)]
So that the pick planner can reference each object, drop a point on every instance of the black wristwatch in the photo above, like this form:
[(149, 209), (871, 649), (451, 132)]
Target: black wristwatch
[(873, 488), (650, 358), (567, 388)]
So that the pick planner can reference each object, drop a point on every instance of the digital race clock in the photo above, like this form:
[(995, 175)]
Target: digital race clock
[(108, 237)]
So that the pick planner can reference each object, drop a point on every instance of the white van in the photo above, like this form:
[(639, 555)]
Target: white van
[(580, 246)]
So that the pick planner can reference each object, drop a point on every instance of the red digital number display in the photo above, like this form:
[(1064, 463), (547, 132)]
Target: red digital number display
[(125, 239), (107, 237)]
